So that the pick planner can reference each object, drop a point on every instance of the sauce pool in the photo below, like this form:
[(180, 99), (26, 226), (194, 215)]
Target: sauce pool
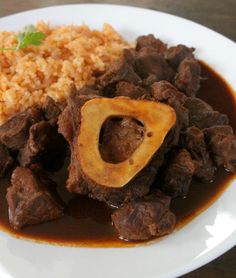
[(88, 222)]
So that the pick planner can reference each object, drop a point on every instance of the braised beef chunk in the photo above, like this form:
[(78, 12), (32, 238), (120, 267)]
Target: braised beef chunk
[(222, 144), (118, 71), (44, 143), (68, 126), (74, 103), (150, 62), (202, 114), (68, 123), (187, 78), (165, 92), (178, 174), (68, 120), (130, 90), (129, 56), (14, 132), (30, 199), (43, 137), (121, 137), (5, 159), (176, 54), (138, 187), (65, 125), (193, 140), (52, 109), (75, 182), (145, 218), (150, 41)]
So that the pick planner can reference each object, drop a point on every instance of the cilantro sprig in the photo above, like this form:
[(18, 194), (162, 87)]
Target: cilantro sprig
[(29, 36)]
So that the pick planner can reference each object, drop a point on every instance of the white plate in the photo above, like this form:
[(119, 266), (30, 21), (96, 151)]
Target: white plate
[(203, 239)]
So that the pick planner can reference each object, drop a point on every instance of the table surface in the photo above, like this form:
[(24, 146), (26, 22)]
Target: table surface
[(216, 14)]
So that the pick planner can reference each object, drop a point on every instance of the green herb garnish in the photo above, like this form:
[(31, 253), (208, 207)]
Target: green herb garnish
[(29, 36)]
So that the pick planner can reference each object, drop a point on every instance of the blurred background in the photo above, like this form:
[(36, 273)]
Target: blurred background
[(216, 14)]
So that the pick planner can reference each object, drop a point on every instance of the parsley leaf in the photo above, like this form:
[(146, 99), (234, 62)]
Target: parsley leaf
[(29, 36)]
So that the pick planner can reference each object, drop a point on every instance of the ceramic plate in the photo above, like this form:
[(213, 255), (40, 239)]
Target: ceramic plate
[(207, 236)]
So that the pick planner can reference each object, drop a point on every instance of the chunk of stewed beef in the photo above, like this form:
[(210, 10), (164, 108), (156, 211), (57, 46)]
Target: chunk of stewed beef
[(31, 199), (165, 92), (178, 174), (202, 114), (119, 71), (150, 62), (145, 218), (52, 109), (121, 137), (176, 54), (44, 144), (5, 159), (14, 133), (130, 90), (194, 141), (222, 144), (68, 122), (150, 41), (188, 78)]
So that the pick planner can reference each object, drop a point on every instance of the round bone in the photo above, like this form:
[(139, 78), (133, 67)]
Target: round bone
[(158, 119)]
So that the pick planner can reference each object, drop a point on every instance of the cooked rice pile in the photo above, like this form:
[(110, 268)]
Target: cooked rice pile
[(69, 54)]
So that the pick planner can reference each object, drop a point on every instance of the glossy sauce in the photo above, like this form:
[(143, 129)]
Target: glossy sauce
[(88, 222)]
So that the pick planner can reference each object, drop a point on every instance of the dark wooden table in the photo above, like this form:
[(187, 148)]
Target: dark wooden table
[(216, 14)]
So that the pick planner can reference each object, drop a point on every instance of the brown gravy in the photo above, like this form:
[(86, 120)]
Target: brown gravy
[(88, 223)]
